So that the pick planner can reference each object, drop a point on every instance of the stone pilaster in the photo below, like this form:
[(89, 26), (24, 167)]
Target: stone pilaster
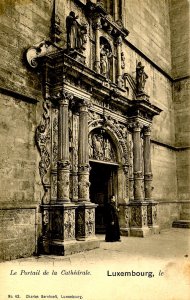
[(119, 69), (97, 26)]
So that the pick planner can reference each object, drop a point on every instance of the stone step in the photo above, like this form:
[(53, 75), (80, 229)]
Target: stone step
[(181, 224)]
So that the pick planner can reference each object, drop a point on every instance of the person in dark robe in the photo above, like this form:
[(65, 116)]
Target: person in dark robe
[(112, 222)]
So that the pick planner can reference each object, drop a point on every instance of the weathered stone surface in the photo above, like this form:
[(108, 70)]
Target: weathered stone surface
[(18, 233)]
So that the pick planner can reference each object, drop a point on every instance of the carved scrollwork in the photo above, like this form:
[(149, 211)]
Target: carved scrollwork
[(42, 138), (41, 49)]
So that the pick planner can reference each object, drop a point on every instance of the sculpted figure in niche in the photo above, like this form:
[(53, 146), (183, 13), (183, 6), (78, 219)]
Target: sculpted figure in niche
[(105, 56), (76, 33), (141, 78)]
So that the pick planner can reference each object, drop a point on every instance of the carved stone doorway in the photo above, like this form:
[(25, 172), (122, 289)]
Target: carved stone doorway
[(103, 184)]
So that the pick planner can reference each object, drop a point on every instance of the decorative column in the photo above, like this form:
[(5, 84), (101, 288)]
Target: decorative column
[(147, 164), (152, 205), (97, 26), (63, 165), (138, 205), (137, 163), (119, 68), (86, 209), (63, 211)]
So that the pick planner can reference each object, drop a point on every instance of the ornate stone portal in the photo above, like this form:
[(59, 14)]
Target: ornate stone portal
[(88, 117)]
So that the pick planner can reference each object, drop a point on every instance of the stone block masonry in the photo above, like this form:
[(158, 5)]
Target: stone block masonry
[(17, 233)]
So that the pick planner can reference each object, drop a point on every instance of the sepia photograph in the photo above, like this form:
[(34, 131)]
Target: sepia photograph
[(95, 149)]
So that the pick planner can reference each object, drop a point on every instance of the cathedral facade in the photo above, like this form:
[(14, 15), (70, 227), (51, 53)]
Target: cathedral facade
[(95, 105)]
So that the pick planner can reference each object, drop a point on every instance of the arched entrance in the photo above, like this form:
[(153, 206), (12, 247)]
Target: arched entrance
[(103, 173)]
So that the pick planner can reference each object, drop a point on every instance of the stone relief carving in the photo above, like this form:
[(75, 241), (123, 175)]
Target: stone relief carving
[(69, 224), (144, 215), (54, 186), (127, 216), (101, 147), (154, 214), (90, 222), (80, 223), (141, 78), (136, 216), (121, 133)]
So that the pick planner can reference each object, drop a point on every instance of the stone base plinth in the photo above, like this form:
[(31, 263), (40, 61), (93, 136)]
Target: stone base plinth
[(85, 221), (125, 231), (140, 232), (68, 248)]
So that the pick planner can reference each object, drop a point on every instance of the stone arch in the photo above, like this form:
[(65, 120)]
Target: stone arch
[(114, 130)]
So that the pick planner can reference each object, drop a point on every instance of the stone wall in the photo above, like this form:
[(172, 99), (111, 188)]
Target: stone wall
[(18, 176), (148, 24), (180, 42), (17, 232), (23, 24)]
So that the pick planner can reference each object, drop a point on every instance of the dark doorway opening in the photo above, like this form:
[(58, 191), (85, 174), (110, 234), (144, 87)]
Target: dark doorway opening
[(103, 184)]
